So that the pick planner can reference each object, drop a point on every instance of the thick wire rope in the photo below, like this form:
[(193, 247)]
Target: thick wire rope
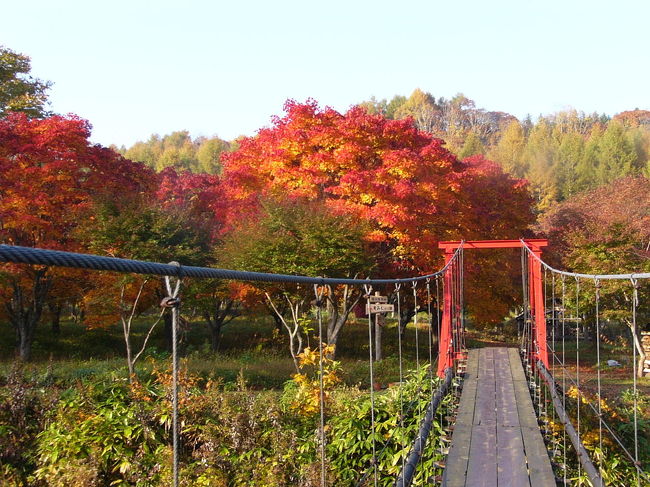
[(635, 303), (598, 366), (430, 331), (37, 256), (564, 375), (613, 434), (634, 275), (172, 301), (462, 297), (321, 392), (579, 400), (401, 370), (415, 324), (554, 326), (368, 290), (438, 330)]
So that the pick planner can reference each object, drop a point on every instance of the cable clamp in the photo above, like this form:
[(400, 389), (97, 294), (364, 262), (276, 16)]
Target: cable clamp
[(169, 302)]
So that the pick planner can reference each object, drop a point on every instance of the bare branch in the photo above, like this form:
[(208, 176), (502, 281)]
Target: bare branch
[(146, 338)]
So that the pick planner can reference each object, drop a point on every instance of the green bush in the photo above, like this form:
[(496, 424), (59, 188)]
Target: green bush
[(23, 407), (110, 432), (102, 434), (351, 445)]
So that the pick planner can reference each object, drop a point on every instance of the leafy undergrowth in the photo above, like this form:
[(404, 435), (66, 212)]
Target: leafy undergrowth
[(109, 431)]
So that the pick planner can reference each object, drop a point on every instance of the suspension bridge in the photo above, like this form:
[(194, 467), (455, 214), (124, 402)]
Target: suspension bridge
[(520, 411)]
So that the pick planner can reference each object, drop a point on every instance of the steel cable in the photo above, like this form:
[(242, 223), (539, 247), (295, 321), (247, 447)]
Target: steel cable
[(35, 256)]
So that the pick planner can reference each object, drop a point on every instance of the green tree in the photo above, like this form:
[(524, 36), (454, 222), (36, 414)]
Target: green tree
[(374, 106), (586, 171), (541, 155), (179, 151), (422, 108), (393, 105), (143, 231), (472, 146), (617, 156), (19, 91), (209, 155), (570, 152), (303, 238), (509, 150)]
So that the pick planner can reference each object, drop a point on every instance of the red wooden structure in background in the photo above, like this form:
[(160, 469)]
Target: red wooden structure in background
[(448, 350)]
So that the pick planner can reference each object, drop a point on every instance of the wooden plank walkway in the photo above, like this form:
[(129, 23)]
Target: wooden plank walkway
[(496, 440)]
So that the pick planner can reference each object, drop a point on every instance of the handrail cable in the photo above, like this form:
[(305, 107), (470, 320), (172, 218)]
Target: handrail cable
[(37, 256)]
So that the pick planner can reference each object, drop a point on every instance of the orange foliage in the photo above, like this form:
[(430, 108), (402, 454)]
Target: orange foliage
[(411, 190)]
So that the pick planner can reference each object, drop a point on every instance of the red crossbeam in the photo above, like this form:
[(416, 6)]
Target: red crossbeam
[(533, 244)]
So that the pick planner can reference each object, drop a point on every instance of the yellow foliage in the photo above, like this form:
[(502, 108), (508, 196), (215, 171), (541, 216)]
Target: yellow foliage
[(308, 397)]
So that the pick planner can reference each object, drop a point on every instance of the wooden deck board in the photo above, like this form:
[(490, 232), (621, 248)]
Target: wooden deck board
[(456, 464), (496, 439), (482, 465), (511, 468)]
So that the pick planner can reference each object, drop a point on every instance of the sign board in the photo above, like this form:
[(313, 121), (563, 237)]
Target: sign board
[(377, 299), (380, 308)]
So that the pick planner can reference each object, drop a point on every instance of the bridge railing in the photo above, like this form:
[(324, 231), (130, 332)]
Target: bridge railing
[(174, 274), (569, 394)]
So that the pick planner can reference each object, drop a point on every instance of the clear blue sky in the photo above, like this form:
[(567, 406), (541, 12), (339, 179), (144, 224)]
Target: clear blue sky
[(138, 67)]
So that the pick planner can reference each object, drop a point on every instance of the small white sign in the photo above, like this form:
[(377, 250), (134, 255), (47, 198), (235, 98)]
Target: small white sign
[(377, 299), (380, 308)]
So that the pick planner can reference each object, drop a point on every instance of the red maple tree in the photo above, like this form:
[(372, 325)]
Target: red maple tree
[(50, 178), (404, 182)]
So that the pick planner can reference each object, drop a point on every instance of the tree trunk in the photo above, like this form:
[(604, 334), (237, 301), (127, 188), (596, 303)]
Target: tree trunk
[(407, 312), (434, 334), (215, 332), (636, 339), (167, 331), (339, 310), (222, 313), (25, 312), (215, 338), (25, 348), (277, 316), (55, 315)]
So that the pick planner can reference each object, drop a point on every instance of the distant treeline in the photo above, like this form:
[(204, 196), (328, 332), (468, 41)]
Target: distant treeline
[(180, 151), (560, 154)]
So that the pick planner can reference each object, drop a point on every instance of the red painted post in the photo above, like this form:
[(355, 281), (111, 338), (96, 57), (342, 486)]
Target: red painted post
[(541, 351), (444, 340), (532, 306)]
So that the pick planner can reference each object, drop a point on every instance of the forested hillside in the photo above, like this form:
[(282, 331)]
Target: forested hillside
[(560, 154)]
